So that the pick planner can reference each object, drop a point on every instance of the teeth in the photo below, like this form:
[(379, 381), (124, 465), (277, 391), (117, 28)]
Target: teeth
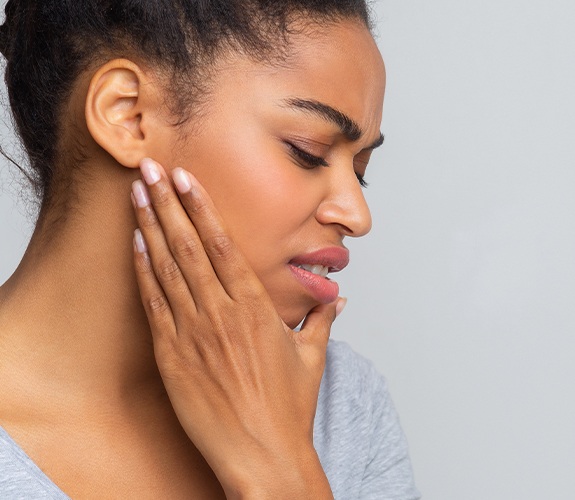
[(316, 269)]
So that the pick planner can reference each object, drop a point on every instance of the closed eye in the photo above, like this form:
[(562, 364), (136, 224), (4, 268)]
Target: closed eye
[(311, 161)]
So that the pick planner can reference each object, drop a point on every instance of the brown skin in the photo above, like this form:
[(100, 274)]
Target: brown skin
[(84, 396)]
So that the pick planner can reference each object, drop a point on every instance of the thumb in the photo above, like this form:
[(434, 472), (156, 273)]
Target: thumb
[(316, 327)]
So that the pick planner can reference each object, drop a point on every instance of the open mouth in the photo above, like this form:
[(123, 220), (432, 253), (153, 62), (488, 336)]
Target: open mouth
[(316, 269), (312, 269), (324, 261)]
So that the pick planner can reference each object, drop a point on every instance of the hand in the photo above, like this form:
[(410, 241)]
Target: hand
[(243, 385)]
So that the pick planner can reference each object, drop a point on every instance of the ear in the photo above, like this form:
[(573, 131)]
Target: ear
[(121, 106)]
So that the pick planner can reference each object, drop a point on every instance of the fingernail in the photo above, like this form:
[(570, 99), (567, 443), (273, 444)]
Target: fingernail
[(182, 180), (140, 194), (150, 171), (341, 303), (140, 242)]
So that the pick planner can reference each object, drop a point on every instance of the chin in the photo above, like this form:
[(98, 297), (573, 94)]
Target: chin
[(291, 305), (293, 314), (295, 323)]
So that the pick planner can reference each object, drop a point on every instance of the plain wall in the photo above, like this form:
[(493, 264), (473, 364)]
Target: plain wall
[(464, 293)]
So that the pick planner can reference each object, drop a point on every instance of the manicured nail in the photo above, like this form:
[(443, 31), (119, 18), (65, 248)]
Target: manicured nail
[(341, 303), (140, 242), (140, 194), (182, 180), (150, 171)]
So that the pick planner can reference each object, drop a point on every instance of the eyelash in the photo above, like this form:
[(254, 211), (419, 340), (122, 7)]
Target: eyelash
[(313, 161)]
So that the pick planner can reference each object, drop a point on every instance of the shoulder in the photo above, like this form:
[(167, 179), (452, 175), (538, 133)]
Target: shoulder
[(352, 391), (349, 372), (357, 433)]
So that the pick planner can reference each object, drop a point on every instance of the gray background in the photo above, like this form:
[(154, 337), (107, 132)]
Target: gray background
[(463, 294)]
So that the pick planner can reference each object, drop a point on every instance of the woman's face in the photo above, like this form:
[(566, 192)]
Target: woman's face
[(280, 148)]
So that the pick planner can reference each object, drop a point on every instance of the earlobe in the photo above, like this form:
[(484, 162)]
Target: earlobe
[(118, 97)]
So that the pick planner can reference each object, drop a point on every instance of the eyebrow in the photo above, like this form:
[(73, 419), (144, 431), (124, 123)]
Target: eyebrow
[(349, 128)]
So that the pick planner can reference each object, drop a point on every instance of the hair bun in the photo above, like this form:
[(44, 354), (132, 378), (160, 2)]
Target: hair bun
[(4, 29), (4, 40)]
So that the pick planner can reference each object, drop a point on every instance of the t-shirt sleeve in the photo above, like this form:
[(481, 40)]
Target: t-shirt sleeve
[(388, 474), (357, 433)]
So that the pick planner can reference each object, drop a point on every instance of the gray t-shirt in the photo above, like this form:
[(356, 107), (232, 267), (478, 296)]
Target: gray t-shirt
[(356, 434)]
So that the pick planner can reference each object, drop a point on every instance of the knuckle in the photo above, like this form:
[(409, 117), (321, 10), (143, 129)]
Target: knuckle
[(185, 247), (161, 195), (143, 264), (158, 304), (221, 246), (169, 359), (169, 271), (205, 279), (196, 206), (177, 357), (148, 218)]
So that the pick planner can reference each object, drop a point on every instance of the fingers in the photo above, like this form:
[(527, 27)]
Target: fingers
[(233, 271), (155, 302), (162, 263), (176, 250), (214, 245), (316, 328)]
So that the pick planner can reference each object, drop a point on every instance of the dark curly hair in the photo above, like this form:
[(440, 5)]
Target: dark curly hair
[(48, 43)]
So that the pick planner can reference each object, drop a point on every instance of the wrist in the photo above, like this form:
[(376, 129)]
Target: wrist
[(299, 476)]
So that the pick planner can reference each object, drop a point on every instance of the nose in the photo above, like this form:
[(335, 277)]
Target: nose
[(344, 204)]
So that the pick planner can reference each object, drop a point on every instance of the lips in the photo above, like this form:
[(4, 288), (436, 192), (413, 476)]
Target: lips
[(334, 258), (310, 270)]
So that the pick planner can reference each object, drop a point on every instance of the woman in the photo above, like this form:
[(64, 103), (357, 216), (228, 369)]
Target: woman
[(186, 378)]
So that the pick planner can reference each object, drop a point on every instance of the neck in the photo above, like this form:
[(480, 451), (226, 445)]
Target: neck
[(71, 316)]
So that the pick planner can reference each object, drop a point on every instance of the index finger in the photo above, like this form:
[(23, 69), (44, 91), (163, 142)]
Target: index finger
[(235, 274)]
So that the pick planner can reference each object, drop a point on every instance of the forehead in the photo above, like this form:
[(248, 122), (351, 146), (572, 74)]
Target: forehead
[(338, 64)]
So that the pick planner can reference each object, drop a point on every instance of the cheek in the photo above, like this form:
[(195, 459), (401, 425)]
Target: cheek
[(267, 202), (269, 212), (263, 215), (262, 196)]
